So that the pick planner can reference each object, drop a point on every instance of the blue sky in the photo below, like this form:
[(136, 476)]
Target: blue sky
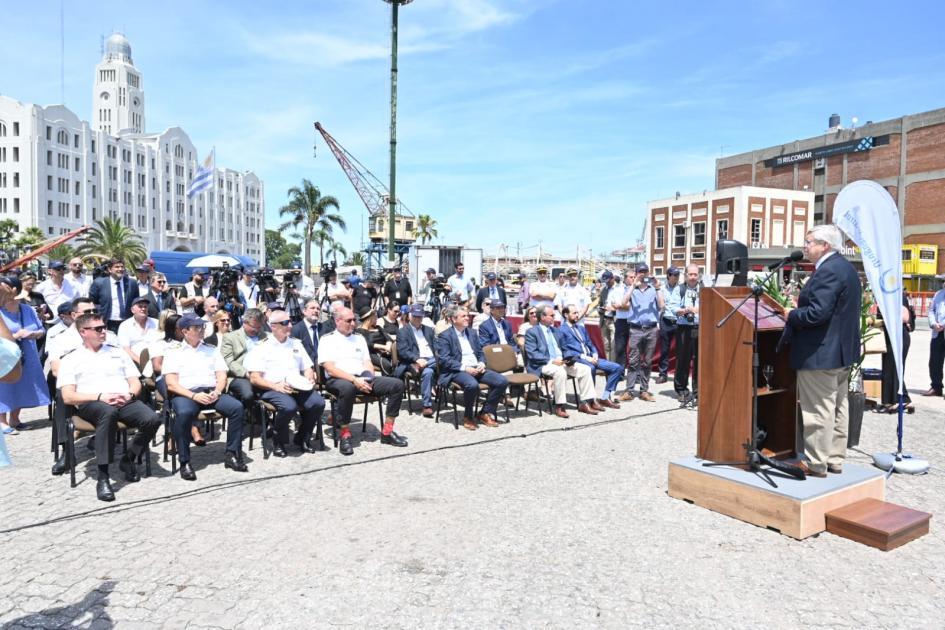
[(519, 120)]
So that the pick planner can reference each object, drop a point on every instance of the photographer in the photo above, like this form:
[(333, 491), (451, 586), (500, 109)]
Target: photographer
[(687, 335), (364, 295), (332, 291), (296, 282), (397, 289), (228, 295), (423, 291)]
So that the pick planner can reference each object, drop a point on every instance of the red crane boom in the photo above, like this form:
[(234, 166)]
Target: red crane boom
[(42, 249)]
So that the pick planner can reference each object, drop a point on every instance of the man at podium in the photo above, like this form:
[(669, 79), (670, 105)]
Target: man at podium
[(824, 334)]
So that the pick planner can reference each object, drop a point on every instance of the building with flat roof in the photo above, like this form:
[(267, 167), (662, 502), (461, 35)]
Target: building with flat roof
[(58, 172), (905, 155)]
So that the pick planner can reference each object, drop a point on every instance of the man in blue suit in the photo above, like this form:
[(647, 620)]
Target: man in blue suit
[(824, 334), (547, 355), (309, 330), (575, 340), (416, 354), (113, 294), (497, 330), (460, 358)]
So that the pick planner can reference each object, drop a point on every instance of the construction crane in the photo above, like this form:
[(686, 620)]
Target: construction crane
[(376, 198)]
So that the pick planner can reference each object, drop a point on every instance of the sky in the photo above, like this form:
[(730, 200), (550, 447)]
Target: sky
[(520, 122)]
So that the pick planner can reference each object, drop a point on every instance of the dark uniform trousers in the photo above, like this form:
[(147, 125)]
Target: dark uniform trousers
[(667, 332), (241, 390), (470, 384), (383, 386), (105, 417), (687, 352), (186, 410), (621, 339), (309, 405)]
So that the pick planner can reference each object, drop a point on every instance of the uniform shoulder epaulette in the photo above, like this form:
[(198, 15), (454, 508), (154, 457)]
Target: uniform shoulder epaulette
[(173, 345), (69, 351)]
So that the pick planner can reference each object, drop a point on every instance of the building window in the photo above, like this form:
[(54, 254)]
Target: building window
[(699, 255), (3, 130), (721, 229), (679, 235), (49, 207), (48, 132), (660, 237), (657, 271), (756, 232), (62, 137), (16, 154), (16, 129), (698, 234), (16, 204)]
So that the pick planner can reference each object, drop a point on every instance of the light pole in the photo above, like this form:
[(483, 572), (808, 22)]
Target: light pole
[(392, 201)]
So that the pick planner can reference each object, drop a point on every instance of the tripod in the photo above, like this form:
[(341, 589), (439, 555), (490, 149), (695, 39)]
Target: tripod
[(754, 458)]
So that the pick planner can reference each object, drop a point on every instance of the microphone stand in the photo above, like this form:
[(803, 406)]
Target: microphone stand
[(754, 458)]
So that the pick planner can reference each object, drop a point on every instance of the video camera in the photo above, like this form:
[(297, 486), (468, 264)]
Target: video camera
[(439, 285), (223, 276), (100, 270), (328, 271)]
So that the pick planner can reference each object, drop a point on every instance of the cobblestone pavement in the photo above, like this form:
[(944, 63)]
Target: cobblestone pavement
[(525, 525)]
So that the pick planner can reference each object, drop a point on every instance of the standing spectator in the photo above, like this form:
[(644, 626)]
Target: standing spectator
[(645, 306), (573, 294), (542, 291), (159, 297), (618, 302), (77, 278), (194, 292), (397, 289), (113, 294), (423, 291), (605, 315), (524, 295), (364, 295), (687, 334), (937, 346), (492, 290), (55, 290), (460, 284), (672, 298), (31, 297), (890, 382), (248, 288), (25, 328)]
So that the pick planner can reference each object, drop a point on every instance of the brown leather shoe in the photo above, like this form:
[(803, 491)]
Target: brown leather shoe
[(487, 420), (560, 412), (596, 406), (932, 392), (647, 396), (625, 397), (469, 423), (427, 412), (585, 408), (608, 403), (807, 471), (533, 396)]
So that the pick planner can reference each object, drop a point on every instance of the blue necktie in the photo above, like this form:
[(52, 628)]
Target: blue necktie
[(121, 298), (553, 350), (160, 301)]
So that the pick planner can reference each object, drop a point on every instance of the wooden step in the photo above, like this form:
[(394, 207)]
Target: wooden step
[(878, 523)]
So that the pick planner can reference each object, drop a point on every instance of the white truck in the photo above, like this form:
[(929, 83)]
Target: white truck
[(442, 258)]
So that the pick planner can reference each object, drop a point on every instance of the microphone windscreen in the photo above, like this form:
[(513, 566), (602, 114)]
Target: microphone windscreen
[(797, 255)]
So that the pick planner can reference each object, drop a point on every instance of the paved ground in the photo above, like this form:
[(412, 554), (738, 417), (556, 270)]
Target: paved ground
[(526, 525)]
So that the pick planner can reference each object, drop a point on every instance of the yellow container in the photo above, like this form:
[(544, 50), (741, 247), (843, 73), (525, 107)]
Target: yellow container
[(909, 254), (925, 260)]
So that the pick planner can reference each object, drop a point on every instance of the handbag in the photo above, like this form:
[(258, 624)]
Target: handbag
[(875, 343)]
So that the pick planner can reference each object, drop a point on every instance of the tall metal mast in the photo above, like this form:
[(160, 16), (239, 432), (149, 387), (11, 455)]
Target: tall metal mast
[(392, 202)]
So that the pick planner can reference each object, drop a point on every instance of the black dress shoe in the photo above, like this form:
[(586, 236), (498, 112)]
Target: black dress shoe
[(187, 472), (320, 445), (307, 446), (393, 439), (278, 450), (128, 467), (345, 447), (234, 461), (60, 466), (103, 490)]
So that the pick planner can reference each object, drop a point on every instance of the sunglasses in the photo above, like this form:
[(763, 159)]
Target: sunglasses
[(160, 282), (98, 329), (284, 322)]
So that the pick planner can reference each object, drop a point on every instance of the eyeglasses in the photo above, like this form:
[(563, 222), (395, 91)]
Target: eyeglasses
[(284, 322), (92, 311), (98, 329), (160, 282)]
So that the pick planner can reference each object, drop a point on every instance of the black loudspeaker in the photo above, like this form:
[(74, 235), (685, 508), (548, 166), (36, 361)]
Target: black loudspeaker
[(732, 257)]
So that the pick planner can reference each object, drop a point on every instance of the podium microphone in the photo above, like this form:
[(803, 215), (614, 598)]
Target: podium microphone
[(793, 257)]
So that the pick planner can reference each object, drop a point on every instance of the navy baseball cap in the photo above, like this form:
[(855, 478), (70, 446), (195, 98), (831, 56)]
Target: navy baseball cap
[(143, 268), (642, 267), (273, 306), (189, 320), (491, 276), (672, 271), (607, 275), (497, 304), (197, 270), (57, 264), (65, 308), (431, 270), (416, 310)]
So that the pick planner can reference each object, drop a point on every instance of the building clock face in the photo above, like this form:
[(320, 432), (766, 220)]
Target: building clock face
[(104, 96), (135, 101)]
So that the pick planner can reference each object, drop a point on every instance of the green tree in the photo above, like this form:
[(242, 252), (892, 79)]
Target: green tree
[(356, 259), (334, 250), (279, 252), (425, 228), (309, 212), (64, 252), (111, 239), (8, 227), (29, 239)]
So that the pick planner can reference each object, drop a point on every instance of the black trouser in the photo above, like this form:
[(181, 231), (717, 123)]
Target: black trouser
[(186, 411), (890, 382), (383, 386), (687, 353), (667, 332), (621, 339), (105, 417), (470, 384), (241, 390), (936, 359), (309, 406)]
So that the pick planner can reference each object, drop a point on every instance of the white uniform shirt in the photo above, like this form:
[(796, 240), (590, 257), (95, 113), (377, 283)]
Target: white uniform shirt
[(615, 298), (104, 372), (195, 367), (576, 295), (80, 285), (54, 295), (277, 360), (349, 354), (545, 287), (131, 335), (70, 340)]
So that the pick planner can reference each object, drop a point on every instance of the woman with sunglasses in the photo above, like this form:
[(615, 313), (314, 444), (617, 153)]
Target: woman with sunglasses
[(530, 319), (25, 327), (221, 325)]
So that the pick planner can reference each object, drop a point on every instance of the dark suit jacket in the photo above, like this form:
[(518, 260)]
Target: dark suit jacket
[(169, 302), (571, 345), (536, 349), (488, 334), (449, 354), (302, 332), (484, 293), (407, 349), (101, 295), (824, 329)]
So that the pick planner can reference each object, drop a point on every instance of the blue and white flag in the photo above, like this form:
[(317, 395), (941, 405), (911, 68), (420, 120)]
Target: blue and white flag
[(868, 215), (203, 178)]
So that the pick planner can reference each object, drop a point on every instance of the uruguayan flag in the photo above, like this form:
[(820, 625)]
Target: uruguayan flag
[(203, 178)]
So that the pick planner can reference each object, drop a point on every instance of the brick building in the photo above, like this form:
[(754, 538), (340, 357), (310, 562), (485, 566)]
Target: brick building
[(685, 229), (905, 155)]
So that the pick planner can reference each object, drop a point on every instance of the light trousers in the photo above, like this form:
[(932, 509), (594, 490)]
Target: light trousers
[(825, 415), (581, 372)]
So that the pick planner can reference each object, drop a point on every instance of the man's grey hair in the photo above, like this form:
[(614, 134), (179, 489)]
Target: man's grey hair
[(829, 234), (252, 315), (451, 311), (545, 308), (309, 301)]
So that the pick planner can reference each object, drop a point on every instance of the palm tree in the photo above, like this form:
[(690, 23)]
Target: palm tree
[(425, 229), (334, 250), (29, 238), (64, 252), (308, 210), (356, 259), (111, 239)]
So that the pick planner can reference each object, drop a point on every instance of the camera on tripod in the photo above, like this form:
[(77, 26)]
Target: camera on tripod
[(328, 270), (223, 276)]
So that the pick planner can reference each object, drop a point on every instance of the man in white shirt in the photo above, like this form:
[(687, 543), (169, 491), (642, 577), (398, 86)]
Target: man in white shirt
[(101, 383), (77, 278), (573, 294), (349, 371), (423, 291), (486, 313), (281, 369), (459, 284), (248, 288), (542, 292), (618, 303), (333, 292), (136, 332), (210, 307), (195, 374), (194, 292), (54, 288)]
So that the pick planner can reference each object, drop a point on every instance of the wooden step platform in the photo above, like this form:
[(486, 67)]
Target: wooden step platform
[(878, 524), (795, 508)]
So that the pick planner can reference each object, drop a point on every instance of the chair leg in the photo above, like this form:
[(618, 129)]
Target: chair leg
[(455, 410), (250, 413), (334, 425), (577, 401), (364, 419), (264, 417), (167, 432), (70, 452), (439, 402), (147, 461)]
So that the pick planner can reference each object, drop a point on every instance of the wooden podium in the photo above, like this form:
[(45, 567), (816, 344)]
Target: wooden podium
[(725, 371)]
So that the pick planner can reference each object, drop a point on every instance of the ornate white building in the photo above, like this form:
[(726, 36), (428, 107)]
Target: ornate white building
[(59, 173)]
